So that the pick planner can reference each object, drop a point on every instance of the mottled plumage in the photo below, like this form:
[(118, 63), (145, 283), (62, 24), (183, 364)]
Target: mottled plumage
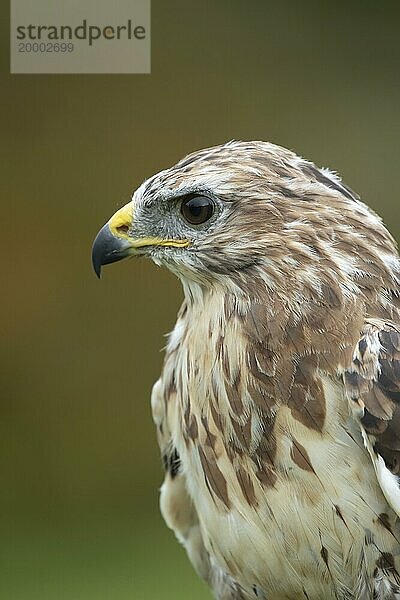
[(277, 410)]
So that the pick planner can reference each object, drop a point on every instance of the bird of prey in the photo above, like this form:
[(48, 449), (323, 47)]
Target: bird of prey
[(278, 407)]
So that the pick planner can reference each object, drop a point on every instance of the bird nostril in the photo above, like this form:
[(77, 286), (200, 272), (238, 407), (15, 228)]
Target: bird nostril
[(122, 229)]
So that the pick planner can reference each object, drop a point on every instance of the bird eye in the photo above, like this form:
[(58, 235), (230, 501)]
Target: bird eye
[(197, 209)]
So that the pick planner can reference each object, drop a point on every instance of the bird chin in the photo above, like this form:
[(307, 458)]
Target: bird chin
[(157, 261)]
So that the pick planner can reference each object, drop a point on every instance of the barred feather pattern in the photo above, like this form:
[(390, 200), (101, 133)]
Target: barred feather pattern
[(277, 410)]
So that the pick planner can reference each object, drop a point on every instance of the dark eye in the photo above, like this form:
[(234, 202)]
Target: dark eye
[(197, 209)]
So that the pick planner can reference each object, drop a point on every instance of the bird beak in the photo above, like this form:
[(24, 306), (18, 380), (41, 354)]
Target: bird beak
[(114, 243)]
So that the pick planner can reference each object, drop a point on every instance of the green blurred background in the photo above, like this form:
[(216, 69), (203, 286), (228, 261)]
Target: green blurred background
[(79, 463)]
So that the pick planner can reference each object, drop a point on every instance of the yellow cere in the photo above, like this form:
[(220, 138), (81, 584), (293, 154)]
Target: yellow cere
[(122, 218)]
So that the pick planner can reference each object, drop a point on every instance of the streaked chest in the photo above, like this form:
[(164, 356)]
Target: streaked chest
[(283, 507)]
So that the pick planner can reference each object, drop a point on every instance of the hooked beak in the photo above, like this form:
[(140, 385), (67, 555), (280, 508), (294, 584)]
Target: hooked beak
[(108, 249), (114, 243)]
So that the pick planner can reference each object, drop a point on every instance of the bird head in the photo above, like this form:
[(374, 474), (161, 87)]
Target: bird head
[(243, 212)]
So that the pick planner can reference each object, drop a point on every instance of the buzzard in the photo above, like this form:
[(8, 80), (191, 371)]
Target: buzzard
[(278, 407)]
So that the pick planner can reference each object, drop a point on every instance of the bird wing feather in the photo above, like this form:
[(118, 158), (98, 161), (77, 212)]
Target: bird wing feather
[(373, 388)]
